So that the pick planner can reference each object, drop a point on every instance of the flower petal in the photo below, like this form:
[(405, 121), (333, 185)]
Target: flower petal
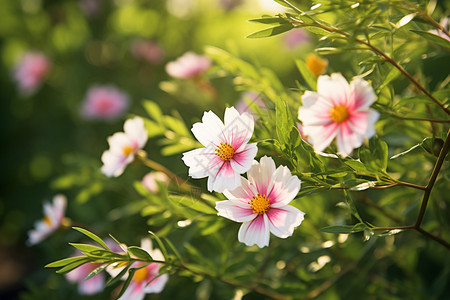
[(135, 130), (242, 161), (285, 187), (282, 221), (255, 232), (238, 128), (225, 178), (321, 136), (241, 195), (347, 139), (157, 285), (333, 89), (91, 286), (231, 211), (202, 162), (210, 131), (135, 291), (361, 95), (260, 174)]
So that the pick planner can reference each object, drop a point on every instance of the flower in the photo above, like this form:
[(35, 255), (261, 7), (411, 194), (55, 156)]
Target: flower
[(149, 51), (248, 103), (104, 102), (123, 146), (150, 181), (438, 32), (54, 216), (91, 286), (30, 71), (316, 65), (139, 285), (226, 153), (338, 110), (261, 203), (190, 65)]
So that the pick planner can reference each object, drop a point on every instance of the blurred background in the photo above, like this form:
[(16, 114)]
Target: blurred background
[(53, 139)]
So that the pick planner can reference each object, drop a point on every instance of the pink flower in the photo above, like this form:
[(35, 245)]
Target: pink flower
[(91, 286), (31, 71), (149, 51), (104, 102), (190, 65), (338, 110), (123, 146), (444, 23), (226, 153), (250, 102), (150, 181), (90, 7), (296, 37), (261, 203), (139, 285), (54, 215)]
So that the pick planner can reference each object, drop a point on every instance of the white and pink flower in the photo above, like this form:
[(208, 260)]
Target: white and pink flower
[(104, 102), (261, 203), (190, 65), (91, 286), (139, 285), (227, 153), (123, 146), (31, 71), (338, 110), (53, 218)]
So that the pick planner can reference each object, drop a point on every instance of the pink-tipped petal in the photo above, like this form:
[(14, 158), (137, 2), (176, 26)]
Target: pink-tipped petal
[(92, 286), (202, 162), (135, 291), (282, 221), (361, 95), (242, 194), (135, 130), (285, 187), (230, 210), (260, 174), (242, 161), (226, 178), (321, 136), (255, 232), (238, 128), (333, 89), (347, 140), (157, 285), (210, 131)]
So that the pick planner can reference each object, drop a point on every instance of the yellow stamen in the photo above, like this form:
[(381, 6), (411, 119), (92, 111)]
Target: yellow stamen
[(260, 204), (316, 65), (339, 113), (127, 150), (225, 151), (47, 221), (141, 275)]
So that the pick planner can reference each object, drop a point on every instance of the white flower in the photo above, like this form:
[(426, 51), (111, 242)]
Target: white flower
[(123, 146), (226, 153), (53, 217), (261, 203), (338, 110), (139, 285)]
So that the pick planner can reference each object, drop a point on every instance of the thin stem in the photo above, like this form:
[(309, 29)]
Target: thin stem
[(433, 178), (394, 228), (432, 236), (417, 119)]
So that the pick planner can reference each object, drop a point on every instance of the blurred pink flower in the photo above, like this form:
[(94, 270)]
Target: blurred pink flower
[(149, 51), (123, 146), (295, 37), (248, 103), (338, 110), (190, 65), (91, 286), (104, 102), (227, 152), (53, 217), (444, 23), (139, 285), (90, 7), (261, 203), (31, 71), (150, 181)]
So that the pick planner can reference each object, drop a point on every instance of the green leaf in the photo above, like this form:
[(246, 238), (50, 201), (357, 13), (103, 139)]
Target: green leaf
[(139, 253), (119, 276), (349, 183), (153, 110), (92, 236), (432, 145), (73, 265), (269, 20), (393, 73), (433, 38), (311, 81), (174, 250), (284, 121), (127, 282), (271, 31), (376, 157), (95, 272), (357, 166), (193, 203), (160, 244), (64, 262), (85, 247), (406, 152), (316, 30), (338, 229)]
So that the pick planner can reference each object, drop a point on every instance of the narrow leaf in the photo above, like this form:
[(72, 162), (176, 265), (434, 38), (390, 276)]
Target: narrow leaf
[(306, 74), (92, 236), (95, 272), (269, 20), (119, 276), (271, 31), (433, 38), (139, 253), (64, 262), (160, 244)]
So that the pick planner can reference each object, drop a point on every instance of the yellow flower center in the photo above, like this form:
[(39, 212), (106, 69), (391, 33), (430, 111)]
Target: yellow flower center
[(316, 65), (47, 221), (141, 275), (225, 151), (339, 113), (127, 150), (260, 204)]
